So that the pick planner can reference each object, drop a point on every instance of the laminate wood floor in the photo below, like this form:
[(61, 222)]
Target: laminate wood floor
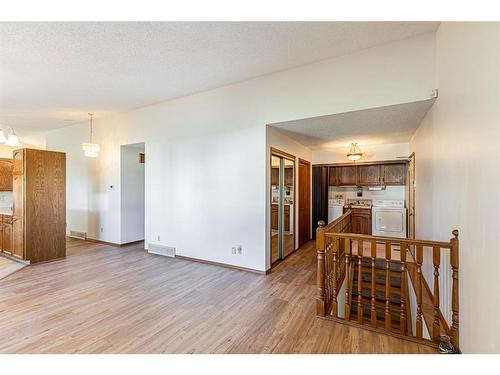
[(8, 266), (104, 299)]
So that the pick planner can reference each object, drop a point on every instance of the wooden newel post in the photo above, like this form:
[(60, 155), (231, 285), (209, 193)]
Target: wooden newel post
[(320, 280), (454, 290)]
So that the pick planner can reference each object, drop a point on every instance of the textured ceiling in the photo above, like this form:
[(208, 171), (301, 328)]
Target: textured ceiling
[(52, 74), (381, 125)]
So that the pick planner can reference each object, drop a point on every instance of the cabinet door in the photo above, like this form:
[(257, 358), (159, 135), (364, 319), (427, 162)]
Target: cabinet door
[(394, 174), (5, 175), (7, 238), (347, 175), (369, 175), (333, 176), (17, 193), (18, 237)]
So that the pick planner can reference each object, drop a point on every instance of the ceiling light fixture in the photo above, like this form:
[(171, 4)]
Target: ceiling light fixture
[(354, 152), (90, 149)]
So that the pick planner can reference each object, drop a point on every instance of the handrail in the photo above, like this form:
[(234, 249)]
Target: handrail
[(339, 252)]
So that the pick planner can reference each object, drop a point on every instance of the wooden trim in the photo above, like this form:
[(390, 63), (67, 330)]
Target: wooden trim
[(303, 161), (363, 163), (286, 155), (394, 240), (225, 265)]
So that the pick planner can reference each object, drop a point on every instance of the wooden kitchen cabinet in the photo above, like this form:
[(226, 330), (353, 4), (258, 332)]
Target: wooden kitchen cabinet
[(361, 220), (275, 216), (6, 174), (369, 175), (7, 238), (38, 223), (6, 234), (394, 174), (342, 176)]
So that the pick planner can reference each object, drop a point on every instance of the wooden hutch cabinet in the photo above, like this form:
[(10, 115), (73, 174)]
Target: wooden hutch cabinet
[(39, 211)]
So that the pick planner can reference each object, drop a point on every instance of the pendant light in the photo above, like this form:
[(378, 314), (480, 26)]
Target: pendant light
[(90, 149), (354, 152)]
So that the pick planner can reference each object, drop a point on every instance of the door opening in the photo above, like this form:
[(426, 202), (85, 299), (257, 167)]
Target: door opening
[(304, 201), (132, 192), (282, 205)]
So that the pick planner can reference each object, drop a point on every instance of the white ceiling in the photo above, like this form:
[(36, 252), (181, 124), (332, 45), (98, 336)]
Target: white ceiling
[(381, 125), (52, 72)]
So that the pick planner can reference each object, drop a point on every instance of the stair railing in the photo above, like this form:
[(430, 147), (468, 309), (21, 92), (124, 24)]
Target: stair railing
[(337, 252)]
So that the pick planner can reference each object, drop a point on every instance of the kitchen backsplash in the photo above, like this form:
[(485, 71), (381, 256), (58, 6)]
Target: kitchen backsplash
[(5, 199), (390, 192)]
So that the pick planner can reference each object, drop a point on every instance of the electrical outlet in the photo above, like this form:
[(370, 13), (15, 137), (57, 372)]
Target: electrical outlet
[(240, 249), (102, 230), (233, 250), (158, 238)]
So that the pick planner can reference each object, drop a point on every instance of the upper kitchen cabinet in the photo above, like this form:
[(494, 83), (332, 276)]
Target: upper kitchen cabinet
[(346, 176), (394, 174), (369, 175), (5, 174)]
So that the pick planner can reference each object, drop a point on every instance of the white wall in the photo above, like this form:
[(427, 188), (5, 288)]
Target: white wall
[(69, 140), (207, 164), (376, 152), (457, 150), (132, 194)]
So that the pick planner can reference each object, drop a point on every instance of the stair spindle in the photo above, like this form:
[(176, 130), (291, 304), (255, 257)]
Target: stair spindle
[(454, 290), (360, 281), (374, 256), (388, 286), (347, 247), (403, 248), (419, 259), (320, 272), (334, 276), (436, 257)]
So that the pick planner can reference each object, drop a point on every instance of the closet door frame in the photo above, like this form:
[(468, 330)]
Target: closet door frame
[(285, 155)]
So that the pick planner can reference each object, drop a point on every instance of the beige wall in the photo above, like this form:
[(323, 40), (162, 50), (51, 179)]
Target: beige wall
[(457, 149)]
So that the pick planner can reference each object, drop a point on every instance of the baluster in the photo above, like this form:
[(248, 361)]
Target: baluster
[(455, 339), (320, 271), (360, 281), (436, 255), (402, 314), (373, 311), (419, 259), (347, 246), (334, 276), (388, 286)]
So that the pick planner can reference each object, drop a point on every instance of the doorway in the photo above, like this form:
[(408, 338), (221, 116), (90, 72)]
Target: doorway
[(304, 201), (411, 196), (282, 205), (132, 192)]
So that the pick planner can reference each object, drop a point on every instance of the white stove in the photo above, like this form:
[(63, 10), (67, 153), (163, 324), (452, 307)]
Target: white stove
[(389, 218)]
